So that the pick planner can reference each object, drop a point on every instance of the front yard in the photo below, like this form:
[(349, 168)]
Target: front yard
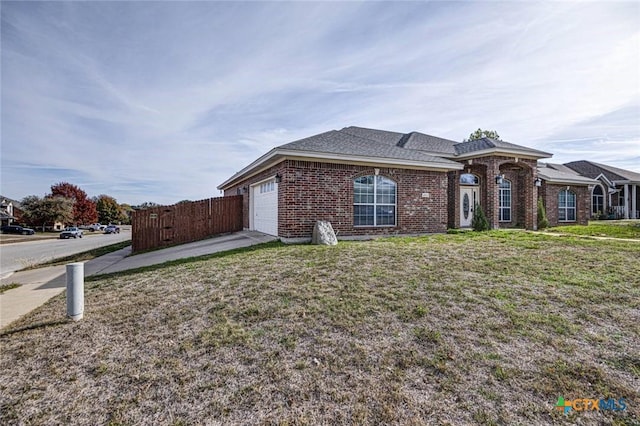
[(598, 228), (452, 329)]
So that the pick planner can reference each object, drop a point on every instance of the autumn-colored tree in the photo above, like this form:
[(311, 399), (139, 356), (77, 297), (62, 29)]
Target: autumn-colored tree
[(146, 205), (84, 210)]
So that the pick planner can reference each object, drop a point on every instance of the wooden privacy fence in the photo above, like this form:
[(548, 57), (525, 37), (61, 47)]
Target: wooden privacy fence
[(185, 222)]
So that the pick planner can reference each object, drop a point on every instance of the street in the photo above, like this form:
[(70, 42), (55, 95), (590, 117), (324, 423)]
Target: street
[(16, 256)]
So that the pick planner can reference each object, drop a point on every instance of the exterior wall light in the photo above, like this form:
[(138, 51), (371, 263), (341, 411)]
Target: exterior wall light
[(499, 179), (278, 178), (538, 182)]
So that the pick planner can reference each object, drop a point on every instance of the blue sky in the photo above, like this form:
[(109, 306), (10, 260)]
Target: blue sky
[(162, 101)]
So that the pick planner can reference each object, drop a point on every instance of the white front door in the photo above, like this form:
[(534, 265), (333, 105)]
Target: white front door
[(264, 217), (468, 199)]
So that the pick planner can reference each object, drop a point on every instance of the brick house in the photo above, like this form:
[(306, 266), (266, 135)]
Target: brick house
[(10, 211), (616, 193), (372, 182), (375, 182)]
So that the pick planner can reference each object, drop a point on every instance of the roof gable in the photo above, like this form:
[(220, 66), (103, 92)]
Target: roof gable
[(557, 173), (593, 170), (488, 144)]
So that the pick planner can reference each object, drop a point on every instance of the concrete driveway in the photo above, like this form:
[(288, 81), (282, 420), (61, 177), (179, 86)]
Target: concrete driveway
[(39, 285)]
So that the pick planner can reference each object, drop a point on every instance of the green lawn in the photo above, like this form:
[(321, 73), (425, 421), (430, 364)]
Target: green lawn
[(614, 229), (451, 329)]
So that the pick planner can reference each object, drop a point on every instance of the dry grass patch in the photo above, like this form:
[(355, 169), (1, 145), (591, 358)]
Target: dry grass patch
[(453, 329)]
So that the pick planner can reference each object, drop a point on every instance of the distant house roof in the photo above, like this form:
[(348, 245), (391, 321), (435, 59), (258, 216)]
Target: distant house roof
[(557, 173), (6, 200), (593, 170), (371, 146)]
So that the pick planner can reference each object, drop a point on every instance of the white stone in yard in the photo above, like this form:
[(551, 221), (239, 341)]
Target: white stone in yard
[(323, 234)]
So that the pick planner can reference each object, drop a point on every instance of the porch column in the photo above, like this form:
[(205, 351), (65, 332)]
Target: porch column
[(634, 207), (491, 211), (531, 200), (626, 201)]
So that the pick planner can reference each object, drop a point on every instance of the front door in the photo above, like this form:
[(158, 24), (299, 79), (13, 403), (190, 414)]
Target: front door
[(468, 199)]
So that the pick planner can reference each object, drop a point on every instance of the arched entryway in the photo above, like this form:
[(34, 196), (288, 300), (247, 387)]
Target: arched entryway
[(515, 196)]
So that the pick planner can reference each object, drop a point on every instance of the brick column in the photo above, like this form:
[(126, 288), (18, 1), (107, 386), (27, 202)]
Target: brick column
[(492, 208), (530, 200)]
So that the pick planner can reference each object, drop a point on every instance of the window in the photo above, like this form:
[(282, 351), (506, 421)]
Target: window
[(597, 200), (504, 207), (468, 179), (267, 187), (566, 206), (374, 201)]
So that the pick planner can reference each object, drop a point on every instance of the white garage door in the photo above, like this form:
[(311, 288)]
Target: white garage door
[(265, 207)]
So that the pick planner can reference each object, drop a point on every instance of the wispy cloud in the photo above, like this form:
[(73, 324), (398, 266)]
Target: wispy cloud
[(162, 101)]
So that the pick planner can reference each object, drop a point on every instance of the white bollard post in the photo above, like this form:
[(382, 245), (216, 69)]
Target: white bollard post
[(75, 290)]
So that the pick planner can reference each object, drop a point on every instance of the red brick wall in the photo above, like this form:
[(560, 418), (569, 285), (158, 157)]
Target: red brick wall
[(312, 191), (549, 194)]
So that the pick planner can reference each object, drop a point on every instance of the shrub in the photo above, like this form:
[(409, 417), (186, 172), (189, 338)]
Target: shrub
[(479, 221), (543, 222)]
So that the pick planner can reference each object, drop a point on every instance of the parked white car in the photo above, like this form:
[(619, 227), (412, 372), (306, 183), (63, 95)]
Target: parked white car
[(71, 232)]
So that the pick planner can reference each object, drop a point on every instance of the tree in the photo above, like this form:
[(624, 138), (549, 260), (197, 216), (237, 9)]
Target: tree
[(84, 210), (108, 209), (479, 134), (126, 210), (543, 222), (47, 211), (146, 205), (479, 221)]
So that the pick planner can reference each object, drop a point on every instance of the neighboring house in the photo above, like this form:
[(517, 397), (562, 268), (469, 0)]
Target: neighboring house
[(617, 191), (372, 182), (10, 211)]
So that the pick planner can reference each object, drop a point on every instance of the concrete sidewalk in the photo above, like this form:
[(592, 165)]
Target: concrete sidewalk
[(39, 285)]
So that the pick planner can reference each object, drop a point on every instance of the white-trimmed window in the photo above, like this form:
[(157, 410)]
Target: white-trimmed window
[(374, 201), (504, 207), (566, 206), (597, 200)]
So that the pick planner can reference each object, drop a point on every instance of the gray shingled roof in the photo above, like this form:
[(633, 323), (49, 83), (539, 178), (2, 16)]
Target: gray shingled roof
[(561, 168), (550, 173), (387, 146), (593, 170), (383, 136), (412, 140), (339, 142), (489, 143)]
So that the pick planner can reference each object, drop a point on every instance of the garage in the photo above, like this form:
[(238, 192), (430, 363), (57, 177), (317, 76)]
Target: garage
[(264, 213)]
